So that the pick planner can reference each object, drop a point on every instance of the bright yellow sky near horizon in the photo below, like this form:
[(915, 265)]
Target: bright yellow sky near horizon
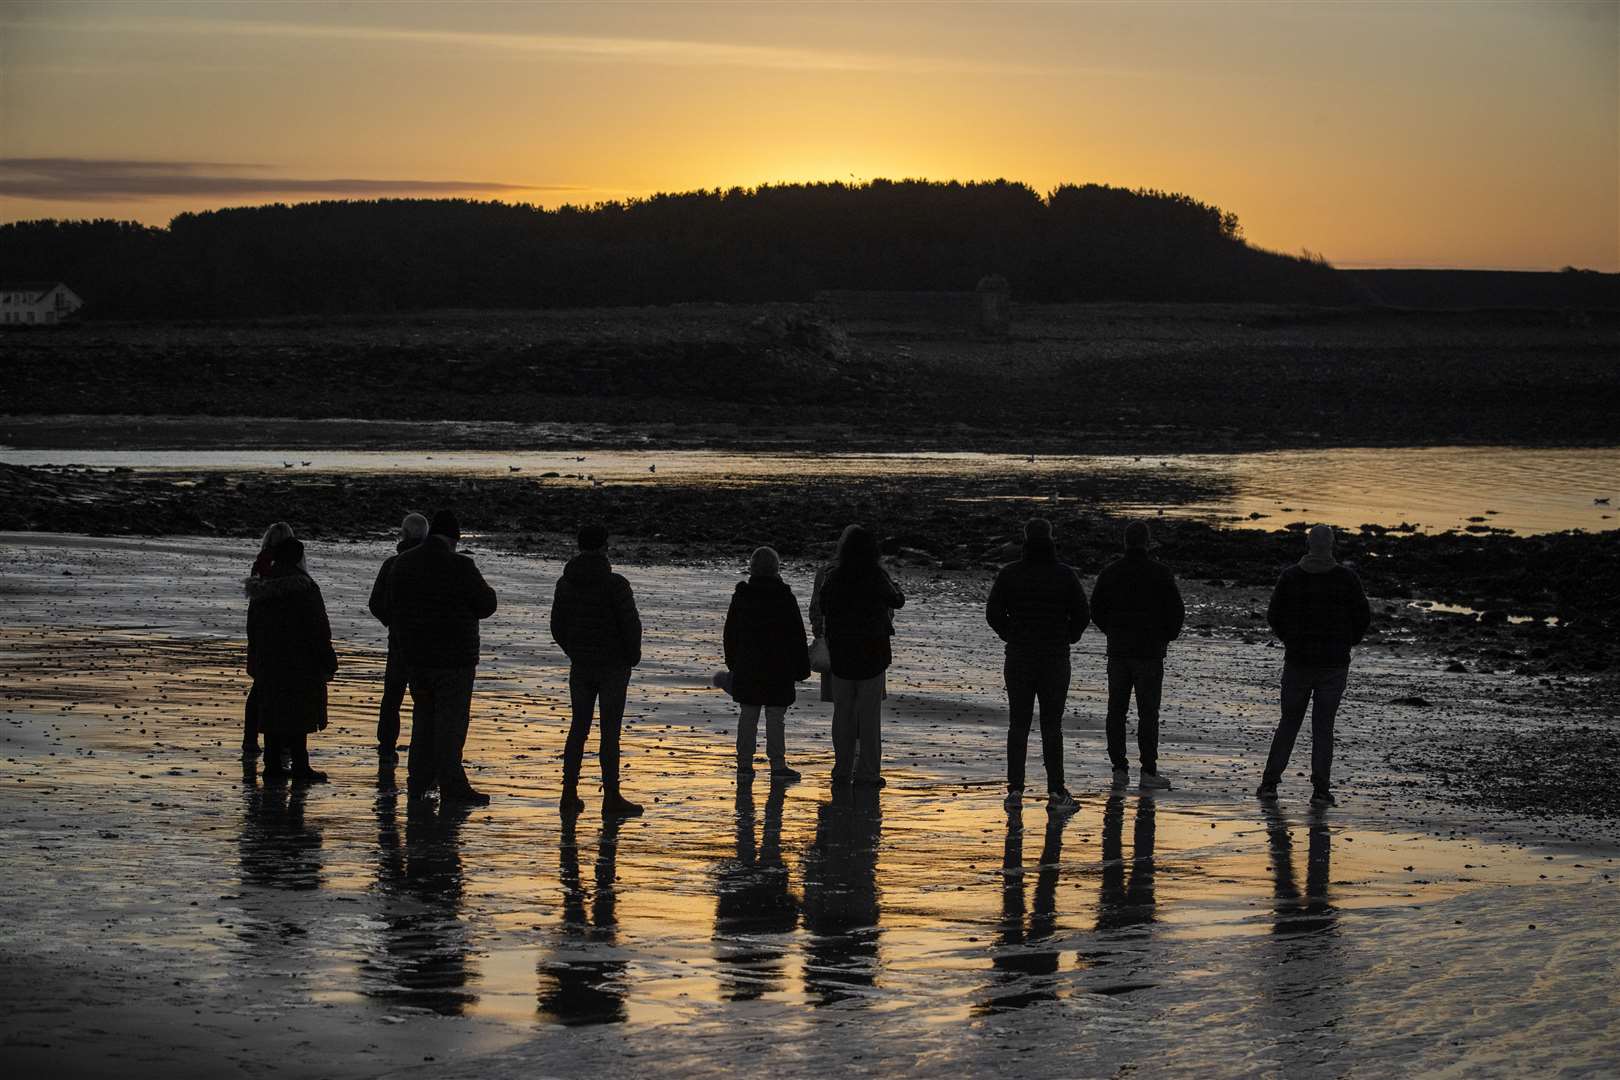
[(1378, 134)]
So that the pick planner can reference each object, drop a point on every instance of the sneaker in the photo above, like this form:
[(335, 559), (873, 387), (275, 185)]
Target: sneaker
[(1121, 777), (1014, 799), (1266, 792), (1154, 782), (1061, 802), (465, 795), (571, 803), (619, 806), (781, 774), (1322, 799)]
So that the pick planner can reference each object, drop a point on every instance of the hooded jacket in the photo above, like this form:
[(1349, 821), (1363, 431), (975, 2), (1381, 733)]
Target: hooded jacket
[(857, 608), (593, 615), (1137, 604), (764, 641), (1319, 615), (1037, 604), (290, 654), (433, 599), (379, 589)]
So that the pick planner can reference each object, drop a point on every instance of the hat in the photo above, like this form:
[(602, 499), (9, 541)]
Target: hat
[(765, 561), (1037, 529), (444, 523), (1321, 540), (592, 537)]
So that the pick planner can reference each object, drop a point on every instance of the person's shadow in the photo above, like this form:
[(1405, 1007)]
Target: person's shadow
[(583, 982), (1125, 901), (754, 904), (1023, 960), (841, 910), (1303, 976), (278, 854), (425, 944), (1293, 913)]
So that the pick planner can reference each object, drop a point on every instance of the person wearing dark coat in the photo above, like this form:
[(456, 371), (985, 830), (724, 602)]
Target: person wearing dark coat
[(595, 621), (1319, 612), (1138, 605), (412, 531), (290, 659), (274, 535), (858, 601), (1038, 607), (766, 654), (431, 604)]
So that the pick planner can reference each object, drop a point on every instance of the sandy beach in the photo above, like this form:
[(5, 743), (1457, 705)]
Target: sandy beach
[(165, 913)]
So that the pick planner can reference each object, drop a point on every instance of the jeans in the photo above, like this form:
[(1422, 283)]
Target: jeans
[(587, 687), (775, 735), (1030, 679), (857, 728), (441, 699), (394, 680), (1321, 687), (1146, 677)]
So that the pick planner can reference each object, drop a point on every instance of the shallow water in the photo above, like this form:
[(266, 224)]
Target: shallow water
[(216, 920), (1518, 489)]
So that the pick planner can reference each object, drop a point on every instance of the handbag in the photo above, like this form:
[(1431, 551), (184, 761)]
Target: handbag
[(820, 656)]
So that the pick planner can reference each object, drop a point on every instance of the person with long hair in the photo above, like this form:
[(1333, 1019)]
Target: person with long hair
[(274, 535), (290, 659), (858, 601)]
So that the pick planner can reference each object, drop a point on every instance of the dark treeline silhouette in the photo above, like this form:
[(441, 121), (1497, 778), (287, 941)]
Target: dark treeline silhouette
[(778, 242)]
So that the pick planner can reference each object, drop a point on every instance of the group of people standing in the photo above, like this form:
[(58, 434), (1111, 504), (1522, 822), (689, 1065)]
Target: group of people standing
[(432, 598)]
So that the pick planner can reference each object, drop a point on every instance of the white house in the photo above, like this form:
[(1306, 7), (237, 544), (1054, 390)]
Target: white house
[(36, 302)]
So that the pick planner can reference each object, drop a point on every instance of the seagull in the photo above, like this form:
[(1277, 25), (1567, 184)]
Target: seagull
[(1602, 502), (652, 468), (303, 463), (514, 468), (580, 458), (286, 464)]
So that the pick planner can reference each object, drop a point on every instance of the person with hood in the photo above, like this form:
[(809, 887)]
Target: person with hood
[(858, 601), (432, 604), (1137, 604), (1319, 612), (594, 620), (412, 531), (290, 659), (766, 654), (275, 534), (1038, 607)]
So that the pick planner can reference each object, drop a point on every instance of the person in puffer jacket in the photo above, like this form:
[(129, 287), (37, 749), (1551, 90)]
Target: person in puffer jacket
[(766, 655), (1320, 613), (594, 620), (1138, 605)]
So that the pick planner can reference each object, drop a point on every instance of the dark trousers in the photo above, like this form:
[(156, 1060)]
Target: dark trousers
[(441, 701), (1145, 676), (1043, 678), (1321, 688), (250, 719), (857, 728), (394, 682), (588, 687)]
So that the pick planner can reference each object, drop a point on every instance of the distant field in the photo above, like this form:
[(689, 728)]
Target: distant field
[(1074, 377)]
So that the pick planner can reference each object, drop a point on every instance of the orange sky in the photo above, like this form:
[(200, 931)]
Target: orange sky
[(1449, 134)]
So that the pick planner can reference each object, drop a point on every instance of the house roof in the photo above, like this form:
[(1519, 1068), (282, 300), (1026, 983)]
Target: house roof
[(35, 287)]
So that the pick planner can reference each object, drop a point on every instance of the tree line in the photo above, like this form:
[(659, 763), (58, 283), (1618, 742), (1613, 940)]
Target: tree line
[(777, 242)]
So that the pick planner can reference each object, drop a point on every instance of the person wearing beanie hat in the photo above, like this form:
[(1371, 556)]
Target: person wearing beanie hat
[(766, 654), (432, 602), (1319, 612), (1038, 607), (1137, 604), (595, 621), (412, 531), (290, 660)]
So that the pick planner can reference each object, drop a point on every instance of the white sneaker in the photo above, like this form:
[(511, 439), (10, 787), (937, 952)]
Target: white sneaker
[(1014, 799), (1121, 777), (1155, 782), (1061, 802)]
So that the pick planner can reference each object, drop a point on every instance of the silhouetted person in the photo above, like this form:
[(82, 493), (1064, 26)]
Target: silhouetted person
[(594, 620), (1021, 952), (1138, 605), (1319, 612), (1038, 607), (582, 988), (274, 535), (412, 531), (766, 654), (859, 599), (434, 600), (841, 909), (753, 900), (290, 659)]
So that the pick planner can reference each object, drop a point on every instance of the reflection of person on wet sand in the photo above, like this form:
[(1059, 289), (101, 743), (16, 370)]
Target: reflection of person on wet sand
[(575, 986), (290, 659), (412, 531), (765, 654), (1313, 912), (753, 901), (1124, 902), (276, 849), (1301, 981), (840, 897), (1018, 954)]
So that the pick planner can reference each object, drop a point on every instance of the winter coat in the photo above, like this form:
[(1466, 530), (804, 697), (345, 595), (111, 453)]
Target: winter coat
[(593, 615), (764, 640), (379, 589), (290, 654), (858, 612), (1037, 604), (1137, 603), (1319, 616), (431, 605)]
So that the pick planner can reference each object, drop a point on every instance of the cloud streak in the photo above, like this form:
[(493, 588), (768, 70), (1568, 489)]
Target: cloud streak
[(73, 179)]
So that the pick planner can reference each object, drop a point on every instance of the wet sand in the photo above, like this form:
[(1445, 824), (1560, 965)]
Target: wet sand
[(163, 915)]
